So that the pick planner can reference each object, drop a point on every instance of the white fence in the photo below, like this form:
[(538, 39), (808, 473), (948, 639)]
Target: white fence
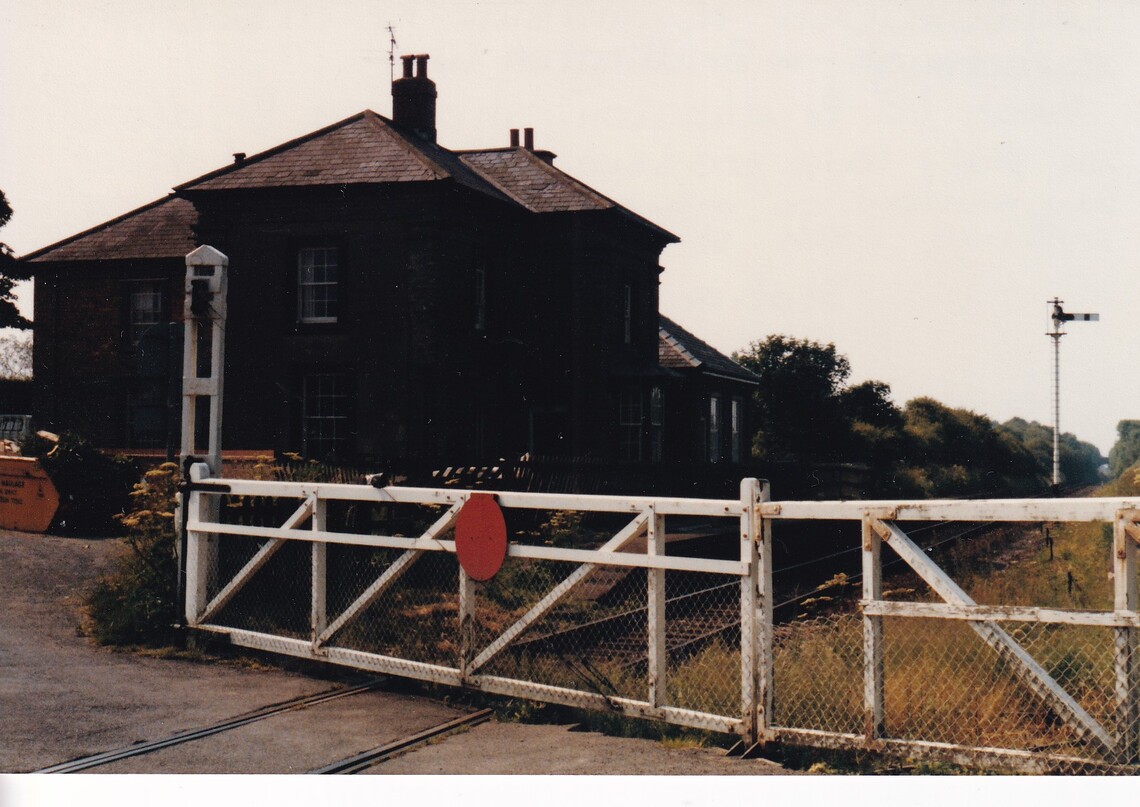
[(626, 621)]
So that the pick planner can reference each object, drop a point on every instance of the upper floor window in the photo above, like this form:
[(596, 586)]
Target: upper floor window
[(145, 306), (317, 297), (480, 298), (627, 314)]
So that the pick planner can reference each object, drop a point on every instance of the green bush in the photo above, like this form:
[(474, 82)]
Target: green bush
[(136, 603)]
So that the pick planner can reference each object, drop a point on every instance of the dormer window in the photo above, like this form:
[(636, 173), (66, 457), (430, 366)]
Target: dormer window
[(317, 298)]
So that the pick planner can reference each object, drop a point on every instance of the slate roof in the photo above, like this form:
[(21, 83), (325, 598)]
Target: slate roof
[(161, 229), (363, 149), (540, 187), (677, 349)]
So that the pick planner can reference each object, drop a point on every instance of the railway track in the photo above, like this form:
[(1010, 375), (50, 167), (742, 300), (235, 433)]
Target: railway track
[(353, 764), (699, 616)]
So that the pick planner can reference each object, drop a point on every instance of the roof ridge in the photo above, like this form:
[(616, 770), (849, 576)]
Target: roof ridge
[(499, 186), (383, 124), (673, 341), (275, 150), (551, 169), (170, 197)]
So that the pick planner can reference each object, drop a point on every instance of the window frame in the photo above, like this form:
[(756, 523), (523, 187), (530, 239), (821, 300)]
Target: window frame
[(340, 416), (713, 432), (480, 299), (627, 313), (301, 286), (656, 419), (158, 289), (631, 412), (736, 429)]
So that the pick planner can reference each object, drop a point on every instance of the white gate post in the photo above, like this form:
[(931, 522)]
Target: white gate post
[(655, 621), (467, 597), (204, 312), (1126, 535), (755, 612), (872, 633), (319, 619), (200, 548)]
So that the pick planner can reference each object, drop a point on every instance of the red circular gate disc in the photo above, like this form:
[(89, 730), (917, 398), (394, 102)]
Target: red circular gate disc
[(481, 537)]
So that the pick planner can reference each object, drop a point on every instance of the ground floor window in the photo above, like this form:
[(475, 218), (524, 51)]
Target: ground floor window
[(736, 427), (147, 415), (641, 424), (713, 439), (656, 424), (325, 419), (629, 424)]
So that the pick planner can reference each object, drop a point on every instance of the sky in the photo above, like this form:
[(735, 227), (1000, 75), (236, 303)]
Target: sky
[(911, 181)]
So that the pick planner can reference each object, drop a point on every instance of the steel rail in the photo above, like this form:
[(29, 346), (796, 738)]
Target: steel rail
[(367, 759), (114, 755)]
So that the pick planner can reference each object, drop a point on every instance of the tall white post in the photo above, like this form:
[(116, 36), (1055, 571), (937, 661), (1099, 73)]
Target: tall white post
[(204, 314), (204, 317), (658, 657), (873, 671)]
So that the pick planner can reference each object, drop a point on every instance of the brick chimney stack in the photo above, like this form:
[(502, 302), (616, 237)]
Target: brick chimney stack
[(413, 98)]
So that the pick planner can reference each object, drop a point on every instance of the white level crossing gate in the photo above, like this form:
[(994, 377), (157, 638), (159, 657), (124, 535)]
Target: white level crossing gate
[(368, 578)]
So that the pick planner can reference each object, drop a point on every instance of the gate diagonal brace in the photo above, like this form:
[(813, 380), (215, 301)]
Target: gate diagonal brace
[(1023, 665), (388, 576), (1132, 525), (636, 528)]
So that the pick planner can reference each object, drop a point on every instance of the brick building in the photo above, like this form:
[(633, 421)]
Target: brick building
[(390, 300)]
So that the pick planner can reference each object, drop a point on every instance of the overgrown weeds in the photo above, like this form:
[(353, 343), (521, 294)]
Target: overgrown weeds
[(136, 602)]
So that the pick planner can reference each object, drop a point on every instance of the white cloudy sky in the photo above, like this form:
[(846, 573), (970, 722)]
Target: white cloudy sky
[(911, 181)]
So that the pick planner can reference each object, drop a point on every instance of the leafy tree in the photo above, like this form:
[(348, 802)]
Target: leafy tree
[(798, 408), (10, 316), (1080, 461), (1126, 452), (15, 358), (956, 452)]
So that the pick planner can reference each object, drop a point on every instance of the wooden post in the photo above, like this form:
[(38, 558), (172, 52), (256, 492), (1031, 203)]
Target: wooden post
[(872, 633), (658, 658), (201, 549), (750, 704), (319, 617), (467, 591), (765, 589), (1126, 534), (205, 270)]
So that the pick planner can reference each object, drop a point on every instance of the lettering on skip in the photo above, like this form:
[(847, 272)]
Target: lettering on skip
[(10, 490)]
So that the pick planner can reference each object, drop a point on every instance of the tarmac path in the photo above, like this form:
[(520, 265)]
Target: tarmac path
[(62, 697)]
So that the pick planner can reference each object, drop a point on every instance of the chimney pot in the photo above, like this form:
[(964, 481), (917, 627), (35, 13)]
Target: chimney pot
[(239, 157), (514, 138), (413, 98), (528, 138)]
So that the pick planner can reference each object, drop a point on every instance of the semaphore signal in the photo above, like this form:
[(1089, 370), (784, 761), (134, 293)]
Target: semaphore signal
[(1060, 317)]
